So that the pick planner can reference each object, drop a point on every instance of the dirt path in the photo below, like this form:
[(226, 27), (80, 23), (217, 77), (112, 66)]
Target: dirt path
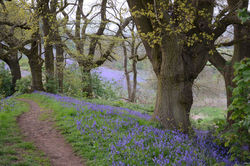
[(46, 137)]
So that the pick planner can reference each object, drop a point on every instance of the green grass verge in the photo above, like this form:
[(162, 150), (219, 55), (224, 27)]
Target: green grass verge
[(149, 108), (64, 118), (95, 145), (205, 118), (14, 151)]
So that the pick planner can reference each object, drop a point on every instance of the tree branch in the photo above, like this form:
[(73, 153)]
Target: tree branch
[(22, 26), (217, 61)]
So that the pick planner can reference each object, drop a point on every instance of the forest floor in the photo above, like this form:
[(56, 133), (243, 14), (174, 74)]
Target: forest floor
[(38, 127), (69, 131)]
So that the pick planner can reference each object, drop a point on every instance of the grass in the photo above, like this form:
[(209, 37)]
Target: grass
[(65, 121), (133, 106), (106, 137), (205, 118), (14, 151)]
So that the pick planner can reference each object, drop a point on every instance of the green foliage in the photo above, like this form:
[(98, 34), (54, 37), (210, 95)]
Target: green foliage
[(51, 86), (244, 15), (24, 64), (72, 81), (73, 84), (181, 21), (23, 85), (5, 81), (103, 89), (237, 135)]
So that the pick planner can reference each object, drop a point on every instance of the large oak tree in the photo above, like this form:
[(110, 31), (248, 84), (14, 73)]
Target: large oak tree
[(179, 38)]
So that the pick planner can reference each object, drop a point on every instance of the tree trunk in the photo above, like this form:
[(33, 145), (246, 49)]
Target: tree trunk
[(174, 101), (133, 95), (176, 65), (48, 46), (13, 63), (59, 67), (35, 63), (228, 77), (179, 67), (241, 51), (87, 88), (59, 60), (14, 69), (126, 72), (49, 56)]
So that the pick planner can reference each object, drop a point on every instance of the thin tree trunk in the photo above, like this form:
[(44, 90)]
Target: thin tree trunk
[(126, 72), (133, 95), (59, 60), (59, 67)]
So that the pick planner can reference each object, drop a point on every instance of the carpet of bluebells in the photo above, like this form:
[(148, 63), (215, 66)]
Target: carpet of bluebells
[(127, 138)]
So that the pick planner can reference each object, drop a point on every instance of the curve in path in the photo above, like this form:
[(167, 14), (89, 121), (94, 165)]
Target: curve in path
[(46, 137)]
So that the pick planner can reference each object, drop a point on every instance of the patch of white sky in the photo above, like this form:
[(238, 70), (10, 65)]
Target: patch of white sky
[(120, 5), (228, 34)]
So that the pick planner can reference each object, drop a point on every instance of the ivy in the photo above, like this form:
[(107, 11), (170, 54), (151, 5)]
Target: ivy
[(243, 14), (236, 136)]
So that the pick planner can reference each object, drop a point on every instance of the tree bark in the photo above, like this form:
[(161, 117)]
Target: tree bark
[(35, 63), (179, 68), (175, 64), (134, 69), (14, 69), (13, 63), (241, 50), (87, 88), (48, 38), (59, 67), (126, 72), (59, 60)]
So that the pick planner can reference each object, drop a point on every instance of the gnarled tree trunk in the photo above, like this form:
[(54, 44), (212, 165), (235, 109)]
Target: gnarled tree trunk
[(179, 67), (13, 63), (87, 88), (175, 63)]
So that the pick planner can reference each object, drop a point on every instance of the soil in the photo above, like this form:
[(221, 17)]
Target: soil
[(43, 133)]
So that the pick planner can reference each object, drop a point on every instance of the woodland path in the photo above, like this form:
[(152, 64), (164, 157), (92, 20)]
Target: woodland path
[(43, 133)]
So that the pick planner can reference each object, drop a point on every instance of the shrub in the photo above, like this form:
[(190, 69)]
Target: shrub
[(51, 86), (23, 85), (103, 88), (237, 135), (5, 81)]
